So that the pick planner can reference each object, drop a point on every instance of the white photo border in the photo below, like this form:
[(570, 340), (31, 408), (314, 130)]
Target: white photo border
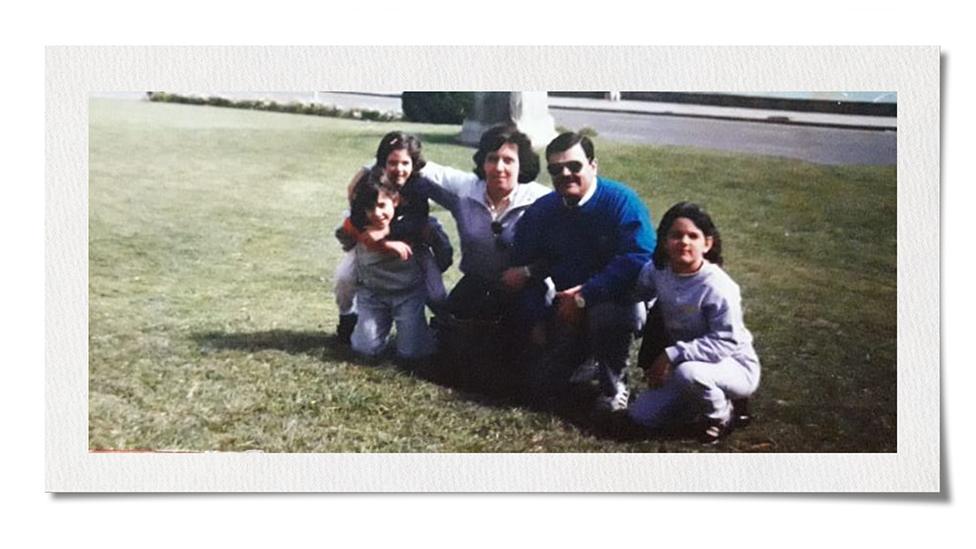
[(74, 73)]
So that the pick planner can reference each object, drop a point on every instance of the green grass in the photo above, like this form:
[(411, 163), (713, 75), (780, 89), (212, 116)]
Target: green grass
[(211, 314)]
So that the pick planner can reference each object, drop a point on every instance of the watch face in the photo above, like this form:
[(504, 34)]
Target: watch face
[(580, 301)]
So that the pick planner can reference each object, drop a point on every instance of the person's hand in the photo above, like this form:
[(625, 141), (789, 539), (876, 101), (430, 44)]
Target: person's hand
[(659, 371), (567, 311), (402, 249), (514, 278)]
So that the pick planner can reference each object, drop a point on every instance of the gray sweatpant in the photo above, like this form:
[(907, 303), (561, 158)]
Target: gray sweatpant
[(695, 388)]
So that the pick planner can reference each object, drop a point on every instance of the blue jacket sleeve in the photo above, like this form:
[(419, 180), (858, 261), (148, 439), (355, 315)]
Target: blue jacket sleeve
[(635, 242), (526, 244)]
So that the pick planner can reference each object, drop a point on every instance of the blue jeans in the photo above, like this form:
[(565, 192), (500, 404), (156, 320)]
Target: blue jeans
[(377, 313)]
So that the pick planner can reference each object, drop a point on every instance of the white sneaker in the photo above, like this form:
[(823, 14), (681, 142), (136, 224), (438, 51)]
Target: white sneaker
[(617, 402)]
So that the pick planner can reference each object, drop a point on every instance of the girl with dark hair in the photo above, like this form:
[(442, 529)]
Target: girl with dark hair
[(399, 158), (709, 359)]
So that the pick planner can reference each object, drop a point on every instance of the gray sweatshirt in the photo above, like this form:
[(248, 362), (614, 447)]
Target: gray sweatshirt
[(702, 313), (386, 273)]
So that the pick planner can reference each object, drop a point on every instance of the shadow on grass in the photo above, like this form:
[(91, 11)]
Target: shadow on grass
[(315, 344), (575, 407), (319, 345)]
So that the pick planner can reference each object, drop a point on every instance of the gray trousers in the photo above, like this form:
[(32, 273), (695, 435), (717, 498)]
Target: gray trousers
[(696, 388)]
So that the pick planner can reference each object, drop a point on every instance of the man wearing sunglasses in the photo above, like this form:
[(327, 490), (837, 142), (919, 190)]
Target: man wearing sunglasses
[(591, 236)]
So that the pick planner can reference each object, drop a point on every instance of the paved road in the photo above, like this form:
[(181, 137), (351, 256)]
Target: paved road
[(823, 145)]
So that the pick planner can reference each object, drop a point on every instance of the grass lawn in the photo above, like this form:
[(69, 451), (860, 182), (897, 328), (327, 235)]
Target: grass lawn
[(211, 316)]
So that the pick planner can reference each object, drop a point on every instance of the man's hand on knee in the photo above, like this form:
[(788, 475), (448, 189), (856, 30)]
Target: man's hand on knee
[(568, 311)]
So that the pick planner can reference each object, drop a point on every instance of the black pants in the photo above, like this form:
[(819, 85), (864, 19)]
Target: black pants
[(482, 338), (605, 336), (654, 338)]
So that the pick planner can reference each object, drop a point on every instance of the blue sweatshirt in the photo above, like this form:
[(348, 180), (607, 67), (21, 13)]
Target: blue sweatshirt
[(602, 244)]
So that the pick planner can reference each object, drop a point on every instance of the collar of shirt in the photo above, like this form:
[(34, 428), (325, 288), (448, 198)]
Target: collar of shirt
[(502, 206), (586, 197)]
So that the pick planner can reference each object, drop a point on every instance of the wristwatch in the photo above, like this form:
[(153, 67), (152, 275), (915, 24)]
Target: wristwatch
[(580, 300)]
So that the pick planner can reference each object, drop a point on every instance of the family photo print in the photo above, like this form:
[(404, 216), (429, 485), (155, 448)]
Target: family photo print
[(697, 279)]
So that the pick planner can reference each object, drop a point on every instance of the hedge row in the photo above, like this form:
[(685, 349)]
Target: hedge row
[(265, 105), (437, 107)]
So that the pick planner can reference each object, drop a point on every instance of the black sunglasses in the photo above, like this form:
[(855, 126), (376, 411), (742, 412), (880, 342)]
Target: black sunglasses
[(556, 170)]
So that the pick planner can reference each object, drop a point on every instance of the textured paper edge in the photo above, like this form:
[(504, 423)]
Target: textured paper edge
[(73, 73)]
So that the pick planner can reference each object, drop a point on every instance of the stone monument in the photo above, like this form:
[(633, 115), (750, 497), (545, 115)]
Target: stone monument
[(528, 111)]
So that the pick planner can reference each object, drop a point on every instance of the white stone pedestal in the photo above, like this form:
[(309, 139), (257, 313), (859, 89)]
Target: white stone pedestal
[(528, 111)]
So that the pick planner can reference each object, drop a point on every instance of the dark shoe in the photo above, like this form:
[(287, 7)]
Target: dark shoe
[(741, 417), (347, 323), (715, 430)]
